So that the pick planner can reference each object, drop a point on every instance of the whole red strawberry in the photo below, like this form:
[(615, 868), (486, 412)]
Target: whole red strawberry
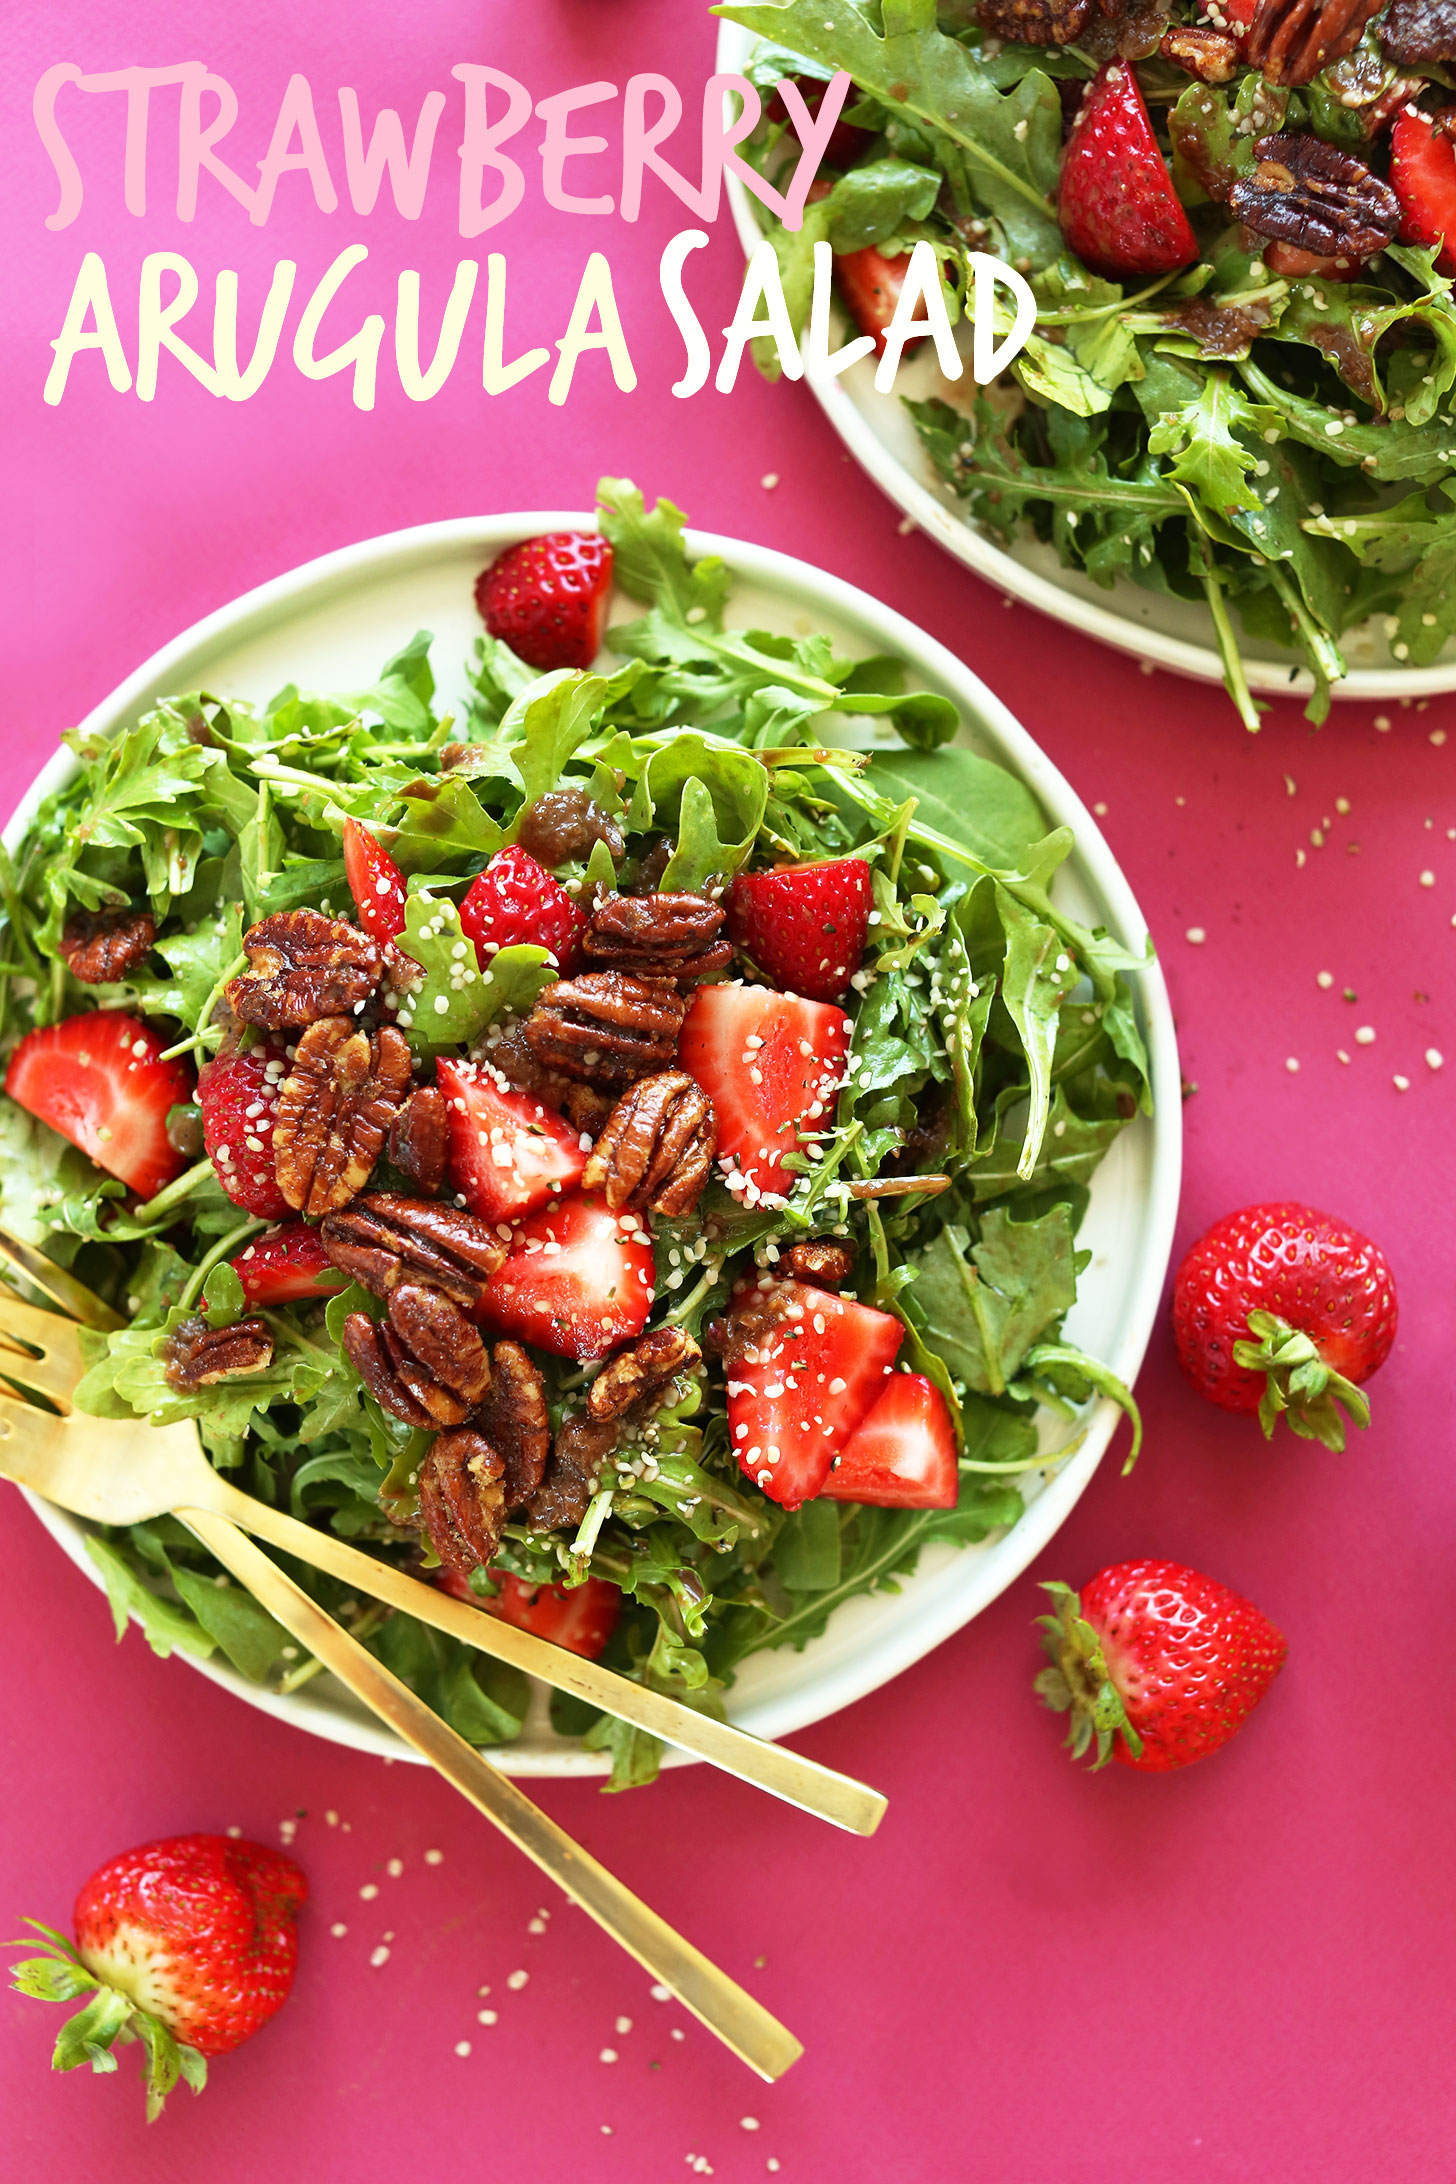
[(547, 597), (1281, 1309), (238, 1095), (804, 925), (516, 899), (1156, 1662), (187, 1945), (1117, 206)]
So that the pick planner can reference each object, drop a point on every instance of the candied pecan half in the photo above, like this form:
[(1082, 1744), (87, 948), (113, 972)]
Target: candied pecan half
[(820, 1263), (658, 936), (426, 1363), (1292, 40), (197, 1354), (1034, 22), (462, 1501), (303, 966), (1309, 193), (384, 1239), (334, 1108), (637, 1379), (418, 1138), (511, 1055), (582, 1447), (656, 1148), (564, 826), (1418, 32), (1210, 55), (515, 1420), (607, 1026), (103, 945)]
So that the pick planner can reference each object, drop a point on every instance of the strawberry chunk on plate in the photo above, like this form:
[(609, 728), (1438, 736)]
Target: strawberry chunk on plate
[(902, 1455), (287, 1266), (870, 285), (804, 924), (1117, 206), (238, 1095), (375, 882), (1423, 176), (509, 1153), (516, 899), (803, 1369), (99, 1079), (578, 1280), (579, 1617), (770, 1063), (547, 597)]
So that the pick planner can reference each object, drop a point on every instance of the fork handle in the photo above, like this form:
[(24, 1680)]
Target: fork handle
[(834, 1797), (739, 2021)]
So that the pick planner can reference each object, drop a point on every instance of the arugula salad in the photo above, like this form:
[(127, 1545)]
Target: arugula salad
[(1239, 386), (617, 1154)]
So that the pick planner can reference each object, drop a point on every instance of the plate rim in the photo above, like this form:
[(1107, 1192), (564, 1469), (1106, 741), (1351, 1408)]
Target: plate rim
[(324, 576), (959, 538)]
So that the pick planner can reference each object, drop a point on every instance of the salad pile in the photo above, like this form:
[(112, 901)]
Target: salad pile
[(618, 1155), (1234, 218)]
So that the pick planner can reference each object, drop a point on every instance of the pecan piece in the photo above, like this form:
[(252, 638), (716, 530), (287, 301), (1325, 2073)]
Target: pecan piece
[(303, 966), (820, 1263), (656, 1148), (516, 1422), (607, 1026), (462, 1500), (384, 1239), (1034, 22), (103, 945), (1309, 193), (585, 1108), (418, 1138), (1292, 40), (334, 1108), (1210, 55), (1418, 32), (582, 1447), (636, 1380), (564, 826), (197, 1355), (426, 1363), (658, 936)]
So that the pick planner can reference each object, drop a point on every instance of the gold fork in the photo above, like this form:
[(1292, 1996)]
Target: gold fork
[(118, 1471), (173, 1473)]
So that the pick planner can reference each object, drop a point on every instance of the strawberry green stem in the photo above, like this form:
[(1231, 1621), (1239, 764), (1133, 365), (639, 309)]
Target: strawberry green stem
[(1298, 1384), (1078, 1681)]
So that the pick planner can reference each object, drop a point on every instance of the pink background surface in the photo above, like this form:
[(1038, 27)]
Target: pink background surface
[(1241, 1973)]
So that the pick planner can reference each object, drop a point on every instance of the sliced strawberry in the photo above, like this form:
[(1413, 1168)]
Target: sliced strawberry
[(903, 1453), (804, 925), (578, 1280), (287, 1266), (515, 899), (238, 1095), (1117, 207), (375, 882), (579, 1617), (768, 1061), (870, 285), (803, 1369), (509, 1154), (846, 139), (1423, 176), (1289, 263), (547, 598), (99, 1079)]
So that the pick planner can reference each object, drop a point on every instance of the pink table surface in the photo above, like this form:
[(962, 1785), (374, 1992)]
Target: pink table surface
[(1031, 1973)]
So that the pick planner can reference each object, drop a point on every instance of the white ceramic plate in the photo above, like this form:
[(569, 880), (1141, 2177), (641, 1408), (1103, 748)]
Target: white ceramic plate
[(1171, 632), (330, 625)]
